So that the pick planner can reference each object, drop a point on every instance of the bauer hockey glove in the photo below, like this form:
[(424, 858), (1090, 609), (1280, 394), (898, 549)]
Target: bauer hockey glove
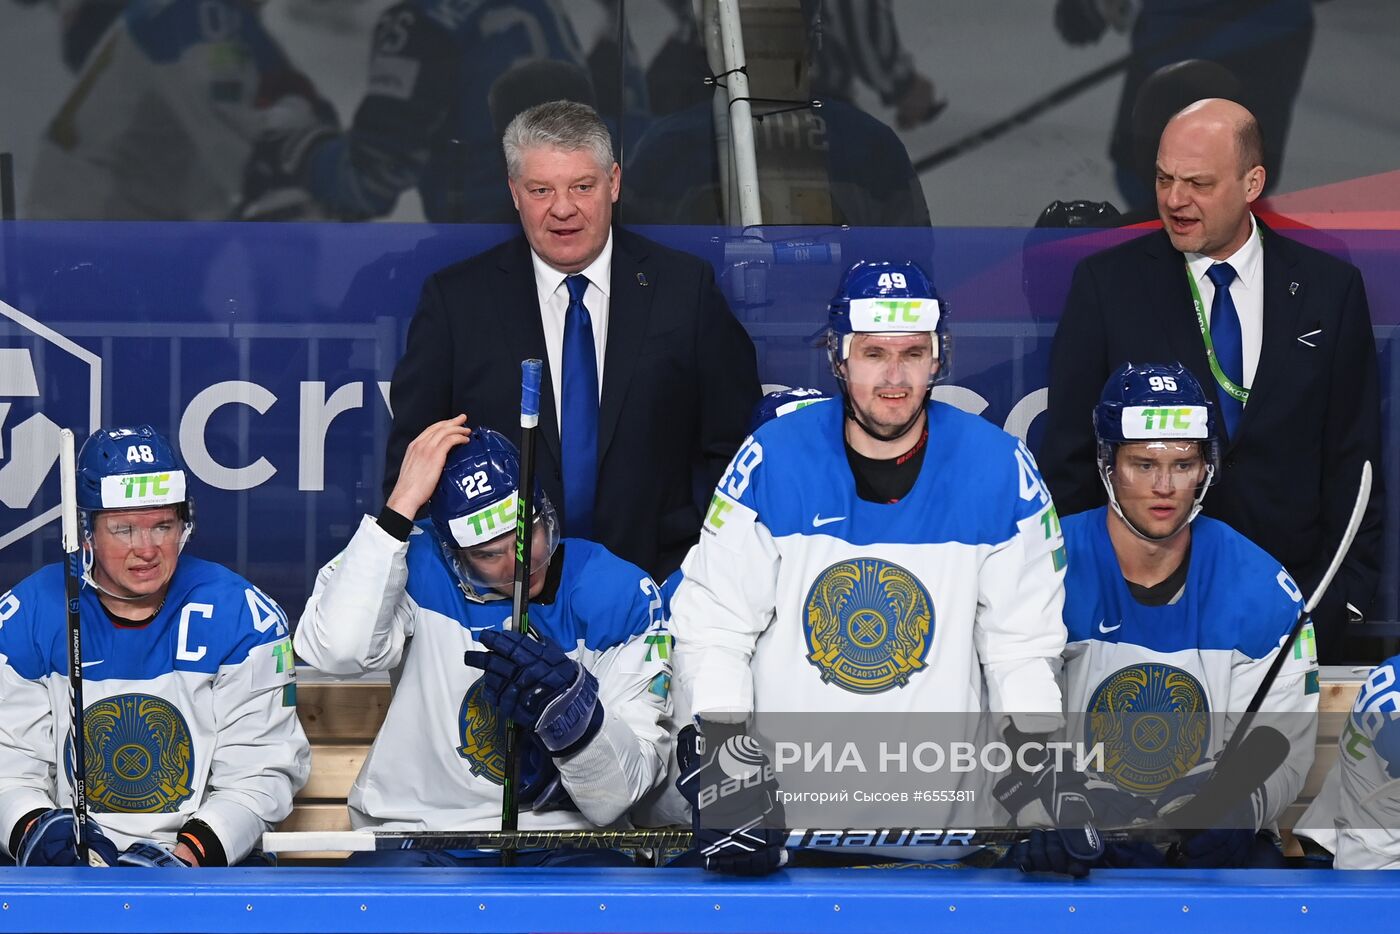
[(50, 841), (735, 813), (150, 856), (530, 680), (1053, 798), (1230, 845)]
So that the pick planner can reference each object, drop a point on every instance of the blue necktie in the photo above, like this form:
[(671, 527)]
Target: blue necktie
[(578, 437), (1229, 346)]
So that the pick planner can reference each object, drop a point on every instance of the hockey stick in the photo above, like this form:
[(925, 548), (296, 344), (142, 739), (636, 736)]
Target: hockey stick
[(77, 735), (1219, 792), (1265, 751), (530, 373), (1183, 40), (1358, 511)]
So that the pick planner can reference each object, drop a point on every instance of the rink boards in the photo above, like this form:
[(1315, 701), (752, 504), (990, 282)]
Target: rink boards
[(658, 900)]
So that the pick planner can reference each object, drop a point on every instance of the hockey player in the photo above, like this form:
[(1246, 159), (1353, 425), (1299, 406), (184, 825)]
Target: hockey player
[(192, 740), (881, 553), (1356, 814), (164, 114), (1174, 619), (590, 683), (444, 81)]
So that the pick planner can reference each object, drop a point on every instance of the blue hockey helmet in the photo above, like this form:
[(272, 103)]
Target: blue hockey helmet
[(1155, 403), (473, 510), (129, 468), (782, 402), (884, 298)]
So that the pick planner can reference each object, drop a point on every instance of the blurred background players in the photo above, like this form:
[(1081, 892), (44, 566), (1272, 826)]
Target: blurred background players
[(1173, 620), (1263, 45), (163, 116), (827, 164), (590, 683), (837, 538), (193, 745), (444, 82), (859, 41)]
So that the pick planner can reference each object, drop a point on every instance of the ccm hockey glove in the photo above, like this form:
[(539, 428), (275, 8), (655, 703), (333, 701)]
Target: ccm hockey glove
[(735, 813), (530, 680)]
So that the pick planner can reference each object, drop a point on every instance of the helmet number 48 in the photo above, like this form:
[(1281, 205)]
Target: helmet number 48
[(140, 454)]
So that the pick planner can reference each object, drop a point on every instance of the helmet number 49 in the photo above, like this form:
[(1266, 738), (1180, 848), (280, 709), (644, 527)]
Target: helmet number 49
[(892, 280)]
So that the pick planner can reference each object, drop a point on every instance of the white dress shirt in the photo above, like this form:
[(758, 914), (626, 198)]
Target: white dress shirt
[(1247, 290), (554, 305)]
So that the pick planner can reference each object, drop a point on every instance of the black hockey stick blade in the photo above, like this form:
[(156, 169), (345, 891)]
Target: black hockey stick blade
[(1258, 756)]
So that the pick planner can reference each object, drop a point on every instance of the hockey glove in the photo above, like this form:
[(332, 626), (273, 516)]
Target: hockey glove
[(531, 681), (49, 841), (1079, 22), (1228, 846), (150, 856), (1053, 798), (276, 175), (736, 818)]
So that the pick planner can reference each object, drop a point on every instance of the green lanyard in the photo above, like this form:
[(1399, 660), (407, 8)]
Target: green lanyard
[(1227, 385)]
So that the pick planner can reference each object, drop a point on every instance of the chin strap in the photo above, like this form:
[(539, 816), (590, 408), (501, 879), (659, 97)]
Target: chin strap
[(89, 560), (1157, 539)]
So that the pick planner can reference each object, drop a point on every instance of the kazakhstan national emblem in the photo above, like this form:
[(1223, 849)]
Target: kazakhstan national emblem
[(869, 624), (1154, 723), (483, 736), (139, 755)]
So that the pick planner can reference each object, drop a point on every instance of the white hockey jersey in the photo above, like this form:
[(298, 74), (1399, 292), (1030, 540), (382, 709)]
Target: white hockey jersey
[(438, 761), (801, 596), (1197, 662), (192, 715), (1357, 813), (163, 116)]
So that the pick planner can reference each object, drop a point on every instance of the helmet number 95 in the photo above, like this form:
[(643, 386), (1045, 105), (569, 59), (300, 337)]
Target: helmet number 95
[(1162, 383)]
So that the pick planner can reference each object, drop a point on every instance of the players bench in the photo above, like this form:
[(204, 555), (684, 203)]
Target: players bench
[(342, 715)]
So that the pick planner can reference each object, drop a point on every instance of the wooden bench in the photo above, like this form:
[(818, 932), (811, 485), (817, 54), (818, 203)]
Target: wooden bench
[(341, 717)]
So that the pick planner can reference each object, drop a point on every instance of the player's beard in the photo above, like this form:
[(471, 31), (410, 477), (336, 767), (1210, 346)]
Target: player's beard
[(882, 431)]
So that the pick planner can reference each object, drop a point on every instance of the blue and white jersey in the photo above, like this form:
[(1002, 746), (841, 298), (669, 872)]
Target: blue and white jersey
[(801, 596), (163, 116), (438, 761), (1357, 813), (1199, 659), (426, 119), (192, 715)]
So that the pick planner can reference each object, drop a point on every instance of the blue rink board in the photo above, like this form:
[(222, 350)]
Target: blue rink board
[(657, 900)]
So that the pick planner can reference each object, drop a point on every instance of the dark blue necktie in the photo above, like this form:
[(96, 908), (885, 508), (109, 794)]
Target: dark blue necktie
[(578, 435), (1225, 337)]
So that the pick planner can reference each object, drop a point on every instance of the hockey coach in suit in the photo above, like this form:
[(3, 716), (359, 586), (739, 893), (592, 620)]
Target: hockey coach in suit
[(1279, 335), (649, 381)]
